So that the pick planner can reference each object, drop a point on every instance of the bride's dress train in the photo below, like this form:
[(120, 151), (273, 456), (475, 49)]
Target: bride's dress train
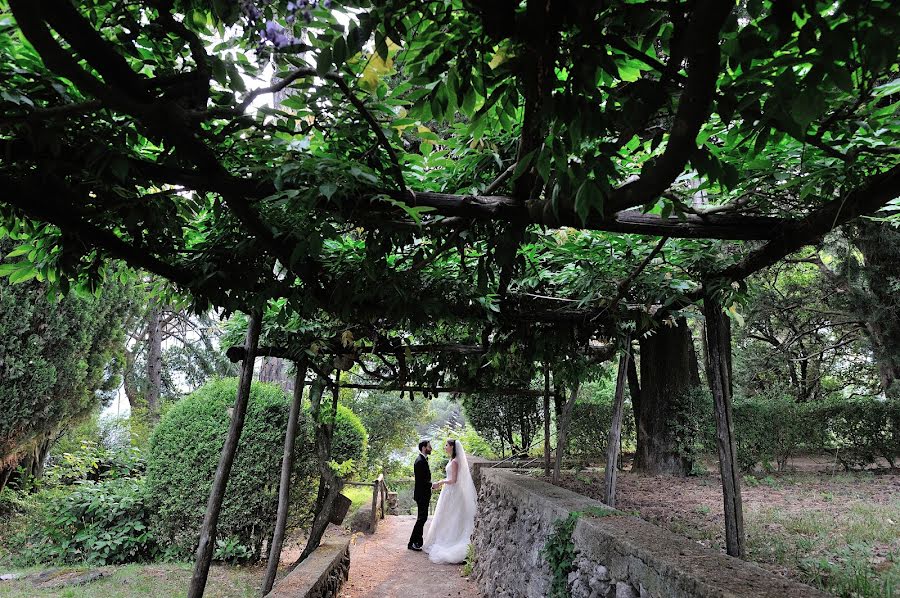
[(447, 539)]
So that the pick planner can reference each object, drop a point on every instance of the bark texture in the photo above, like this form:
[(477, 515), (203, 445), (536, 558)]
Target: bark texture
[(669, 370)]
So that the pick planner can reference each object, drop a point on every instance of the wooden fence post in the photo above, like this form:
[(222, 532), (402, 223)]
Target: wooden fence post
[(207, 540), (284, 489), (615, 428), (546, 419), (718, 364)]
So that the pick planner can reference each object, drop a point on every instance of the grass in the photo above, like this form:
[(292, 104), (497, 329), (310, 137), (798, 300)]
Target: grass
[(162, 580), (848, 552), (360, 497)]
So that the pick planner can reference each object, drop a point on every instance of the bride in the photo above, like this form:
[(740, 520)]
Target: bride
[(447, 540)]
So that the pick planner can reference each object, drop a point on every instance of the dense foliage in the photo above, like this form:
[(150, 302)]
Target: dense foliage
[(58, 361), (391, 421), (184, 452), (715, 120), (102, 523), (509, 422)]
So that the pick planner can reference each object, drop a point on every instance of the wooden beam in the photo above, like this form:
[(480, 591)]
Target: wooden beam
[(718, 366), (615, 428), (207, 540), (523, 392), (284, 488), (691, 226), (866, 199)]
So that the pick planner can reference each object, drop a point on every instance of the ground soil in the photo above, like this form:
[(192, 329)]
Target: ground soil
[(693, 507), (382, 567)]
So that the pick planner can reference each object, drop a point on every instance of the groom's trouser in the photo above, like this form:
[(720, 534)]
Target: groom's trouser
[(419, 527)]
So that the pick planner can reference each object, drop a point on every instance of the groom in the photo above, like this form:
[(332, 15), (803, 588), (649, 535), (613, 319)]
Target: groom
[(421, 494)]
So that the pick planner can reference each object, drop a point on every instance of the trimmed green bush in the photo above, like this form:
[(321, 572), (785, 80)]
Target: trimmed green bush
[(351, 441), (184, 453)]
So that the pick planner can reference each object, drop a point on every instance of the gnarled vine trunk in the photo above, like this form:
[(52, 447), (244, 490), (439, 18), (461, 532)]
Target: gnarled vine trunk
[(669, 369)]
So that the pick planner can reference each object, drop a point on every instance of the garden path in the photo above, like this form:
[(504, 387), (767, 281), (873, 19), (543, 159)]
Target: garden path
[(382, 567)]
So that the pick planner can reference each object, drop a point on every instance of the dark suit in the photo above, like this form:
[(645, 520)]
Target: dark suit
[(422, 496)]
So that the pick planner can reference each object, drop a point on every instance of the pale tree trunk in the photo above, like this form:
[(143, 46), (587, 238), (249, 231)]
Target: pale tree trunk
[(154, 363), (330, 485), (615, 429), (546, 419), (226, 460), (718, 366), (562, 430)]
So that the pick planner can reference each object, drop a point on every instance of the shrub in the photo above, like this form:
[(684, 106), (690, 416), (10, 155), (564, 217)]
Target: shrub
[(772, 429), (184, 453), (862, 430), (94, 462), (351, 441), (589, 430), (97, 522)]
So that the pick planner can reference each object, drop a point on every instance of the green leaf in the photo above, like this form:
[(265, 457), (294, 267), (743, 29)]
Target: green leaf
[(327, 190)]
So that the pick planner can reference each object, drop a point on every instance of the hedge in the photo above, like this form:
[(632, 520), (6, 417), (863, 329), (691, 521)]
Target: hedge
[(184, 453), (769, 431)]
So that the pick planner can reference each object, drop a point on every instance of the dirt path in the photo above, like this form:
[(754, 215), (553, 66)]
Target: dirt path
[(382, 567)]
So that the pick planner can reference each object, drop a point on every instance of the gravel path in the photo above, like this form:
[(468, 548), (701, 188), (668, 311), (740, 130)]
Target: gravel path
[(382, 567)]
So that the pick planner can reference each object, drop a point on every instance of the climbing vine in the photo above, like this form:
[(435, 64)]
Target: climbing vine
[(559, 550)]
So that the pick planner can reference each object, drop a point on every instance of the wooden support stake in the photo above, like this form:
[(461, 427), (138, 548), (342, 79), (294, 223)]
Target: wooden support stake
[(562, 430), (718, 364), (284, 489), (546, 419), (615, 428), (217, 493)]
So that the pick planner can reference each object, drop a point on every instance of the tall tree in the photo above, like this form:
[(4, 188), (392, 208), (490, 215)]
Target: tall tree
[(669, 370), (59, 360)]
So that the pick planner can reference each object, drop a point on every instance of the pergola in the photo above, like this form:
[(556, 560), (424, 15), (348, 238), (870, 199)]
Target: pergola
[(184, 155)]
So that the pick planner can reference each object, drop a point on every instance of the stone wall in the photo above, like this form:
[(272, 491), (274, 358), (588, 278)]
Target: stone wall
[(617, 556), (321, 575)]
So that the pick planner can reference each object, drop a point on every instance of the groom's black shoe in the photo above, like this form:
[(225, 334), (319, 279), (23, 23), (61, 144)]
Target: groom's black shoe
[(417, 547)]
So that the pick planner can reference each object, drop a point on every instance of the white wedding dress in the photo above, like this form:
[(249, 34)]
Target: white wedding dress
[(447, 538)]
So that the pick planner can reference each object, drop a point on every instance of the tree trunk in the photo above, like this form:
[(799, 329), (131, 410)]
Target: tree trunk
[(562, 430), (154, 364), (634, 389), (226, 460), (718, 367), (5, 473), (273, 370), (546, 419), (330, 485), (284, 489), (669, 369), (615, 430)]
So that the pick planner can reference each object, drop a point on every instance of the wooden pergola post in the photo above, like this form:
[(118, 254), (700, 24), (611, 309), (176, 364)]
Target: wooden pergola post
[(562, 430), (615, 428), (207, 540), (718, 367), (546, 419), (284, 489)]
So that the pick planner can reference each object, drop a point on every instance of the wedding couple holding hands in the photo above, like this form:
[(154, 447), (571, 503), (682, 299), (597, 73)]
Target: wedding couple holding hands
[(448, 535)]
